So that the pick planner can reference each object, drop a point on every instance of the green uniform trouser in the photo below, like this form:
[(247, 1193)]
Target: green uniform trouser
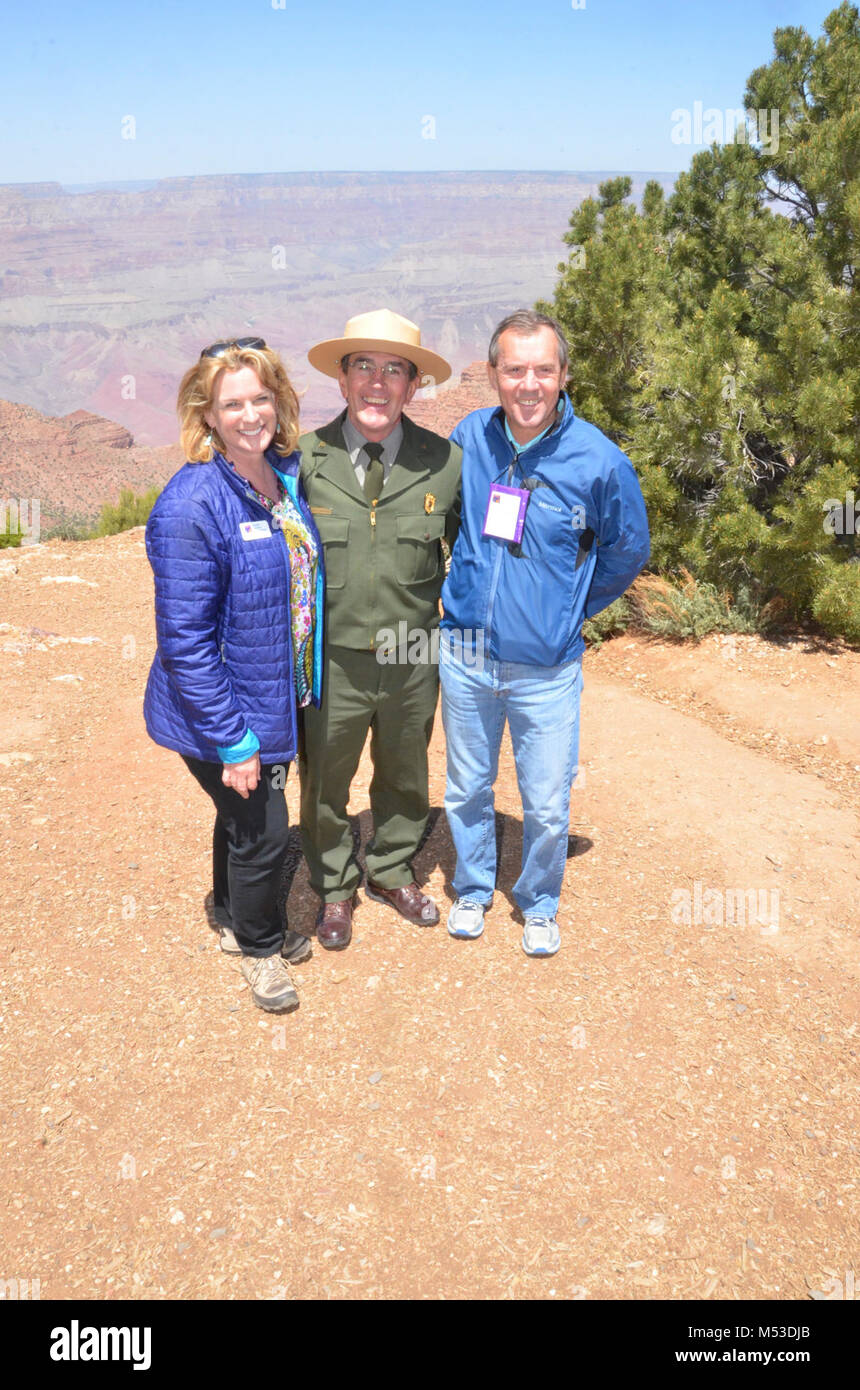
[(397, 702)]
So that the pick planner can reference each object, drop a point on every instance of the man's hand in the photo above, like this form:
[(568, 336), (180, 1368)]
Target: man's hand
[(242, 777)]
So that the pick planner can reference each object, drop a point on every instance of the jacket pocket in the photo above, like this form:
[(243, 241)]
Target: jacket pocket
[(334, 534), (419, 553)]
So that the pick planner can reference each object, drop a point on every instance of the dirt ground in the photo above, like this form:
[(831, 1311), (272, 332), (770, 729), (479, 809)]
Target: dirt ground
[(667, 1109)]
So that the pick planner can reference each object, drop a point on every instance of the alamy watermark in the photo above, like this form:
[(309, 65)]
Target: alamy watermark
[(414, 646), (738, 126), (842, 518), (718, 907), (834, 1290), (21, 516), (76, 1343), (16, 1290)]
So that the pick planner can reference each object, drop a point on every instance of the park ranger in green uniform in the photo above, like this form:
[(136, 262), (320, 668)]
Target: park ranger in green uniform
[(384, 493)]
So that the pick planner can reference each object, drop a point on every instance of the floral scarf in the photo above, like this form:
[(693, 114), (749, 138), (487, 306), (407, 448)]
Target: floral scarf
[(304, 555)]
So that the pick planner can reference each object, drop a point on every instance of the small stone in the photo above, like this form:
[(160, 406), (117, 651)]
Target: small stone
[(375, 1077), (218, 1232)]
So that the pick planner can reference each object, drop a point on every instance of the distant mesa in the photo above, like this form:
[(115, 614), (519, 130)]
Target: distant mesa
[(446, 409), (87, 430), (75, 463), (110, 292), (31, 190)]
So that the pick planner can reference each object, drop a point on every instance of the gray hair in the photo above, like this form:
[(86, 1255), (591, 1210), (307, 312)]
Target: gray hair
[(525, 323)]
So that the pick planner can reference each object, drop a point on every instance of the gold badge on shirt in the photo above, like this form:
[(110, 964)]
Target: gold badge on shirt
[(429, 502)]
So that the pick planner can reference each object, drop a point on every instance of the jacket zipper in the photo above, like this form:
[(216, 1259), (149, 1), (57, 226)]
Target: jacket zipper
[(285, 555), (497, 569)]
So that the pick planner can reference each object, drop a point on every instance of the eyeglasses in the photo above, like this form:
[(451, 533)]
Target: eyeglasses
[(219, 349), (392, 371)]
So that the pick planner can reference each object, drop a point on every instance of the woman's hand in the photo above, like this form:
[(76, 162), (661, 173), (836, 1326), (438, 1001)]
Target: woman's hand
[(242, 777)]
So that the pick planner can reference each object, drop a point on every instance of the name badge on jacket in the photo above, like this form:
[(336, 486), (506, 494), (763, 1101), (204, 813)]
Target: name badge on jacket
[(506, 513), (254, 530)]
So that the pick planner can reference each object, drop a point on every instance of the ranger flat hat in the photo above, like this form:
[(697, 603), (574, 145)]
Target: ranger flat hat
[(380, 331)]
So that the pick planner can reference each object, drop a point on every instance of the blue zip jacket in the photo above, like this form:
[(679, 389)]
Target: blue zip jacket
[(221, 684), (585, 539)]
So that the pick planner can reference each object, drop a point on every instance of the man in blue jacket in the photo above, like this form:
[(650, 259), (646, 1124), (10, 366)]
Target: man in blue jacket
[(553, 529)]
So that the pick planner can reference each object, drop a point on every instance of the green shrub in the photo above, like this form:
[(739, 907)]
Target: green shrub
[(129, 511), (836, 605), (70, 527), (612, 620), (688, 608)]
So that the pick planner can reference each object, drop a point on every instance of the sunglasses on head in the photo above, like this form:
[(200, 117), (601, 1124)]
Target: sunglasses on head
[(219, 349)]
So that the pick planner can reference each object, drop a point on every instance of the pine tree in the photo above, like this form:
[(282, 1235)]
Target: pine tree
[(714, 336)]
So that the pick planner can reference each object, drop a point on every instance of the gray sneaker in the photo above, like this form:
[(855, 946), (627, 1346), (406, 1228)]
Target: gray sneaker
[(466, 919), (295, 949), (271, 986), (541, 936)]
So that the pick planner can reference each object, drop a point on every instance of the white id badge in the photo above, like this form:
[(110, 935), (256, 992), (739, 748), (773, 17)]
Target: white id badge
[(506, 513), (254, 530)]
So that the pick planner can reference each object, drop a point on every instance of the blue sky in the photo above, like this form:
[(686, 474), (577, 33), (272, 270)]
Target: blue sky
[(243, 86)]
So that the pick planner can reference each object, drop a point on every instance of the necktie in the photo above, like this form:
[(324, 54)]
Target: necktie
[(374, 473)]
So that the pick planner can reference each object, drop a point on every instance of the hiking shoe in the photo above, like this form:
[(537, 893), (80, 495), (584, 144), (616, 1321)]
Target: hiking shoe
[(466, 919), (296, 947), (541, 936), (229, 944), (271, 986)]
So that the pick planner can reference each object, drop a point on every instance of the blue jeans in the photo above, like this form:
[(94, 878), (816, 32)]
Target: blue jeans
[(541, 706)]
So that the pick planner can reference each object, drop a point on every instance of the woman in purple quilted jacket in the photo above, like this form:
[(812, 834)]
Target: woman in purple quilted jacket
[(239, 591)]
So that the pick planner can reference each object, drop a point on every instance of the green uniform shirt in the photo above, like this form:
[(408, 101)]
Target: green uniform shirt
[(384, 564)]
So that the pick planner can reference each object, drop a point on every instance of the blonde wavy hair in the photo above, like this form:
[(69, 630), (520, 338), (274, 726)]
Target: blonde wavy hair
[(197, 396)]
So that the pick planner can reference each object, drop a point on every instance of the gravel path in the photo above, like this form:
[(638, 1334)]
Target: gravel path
[(667, 1109)]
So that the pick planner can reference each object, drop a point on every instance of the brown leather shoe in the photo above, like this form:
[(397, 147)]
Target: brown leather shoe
[(334, 924), (410, 902)]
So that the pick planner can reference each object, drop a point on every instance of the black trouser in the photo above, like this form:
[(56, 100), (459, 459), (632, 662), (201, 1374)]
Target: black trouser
[(249, 844)]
